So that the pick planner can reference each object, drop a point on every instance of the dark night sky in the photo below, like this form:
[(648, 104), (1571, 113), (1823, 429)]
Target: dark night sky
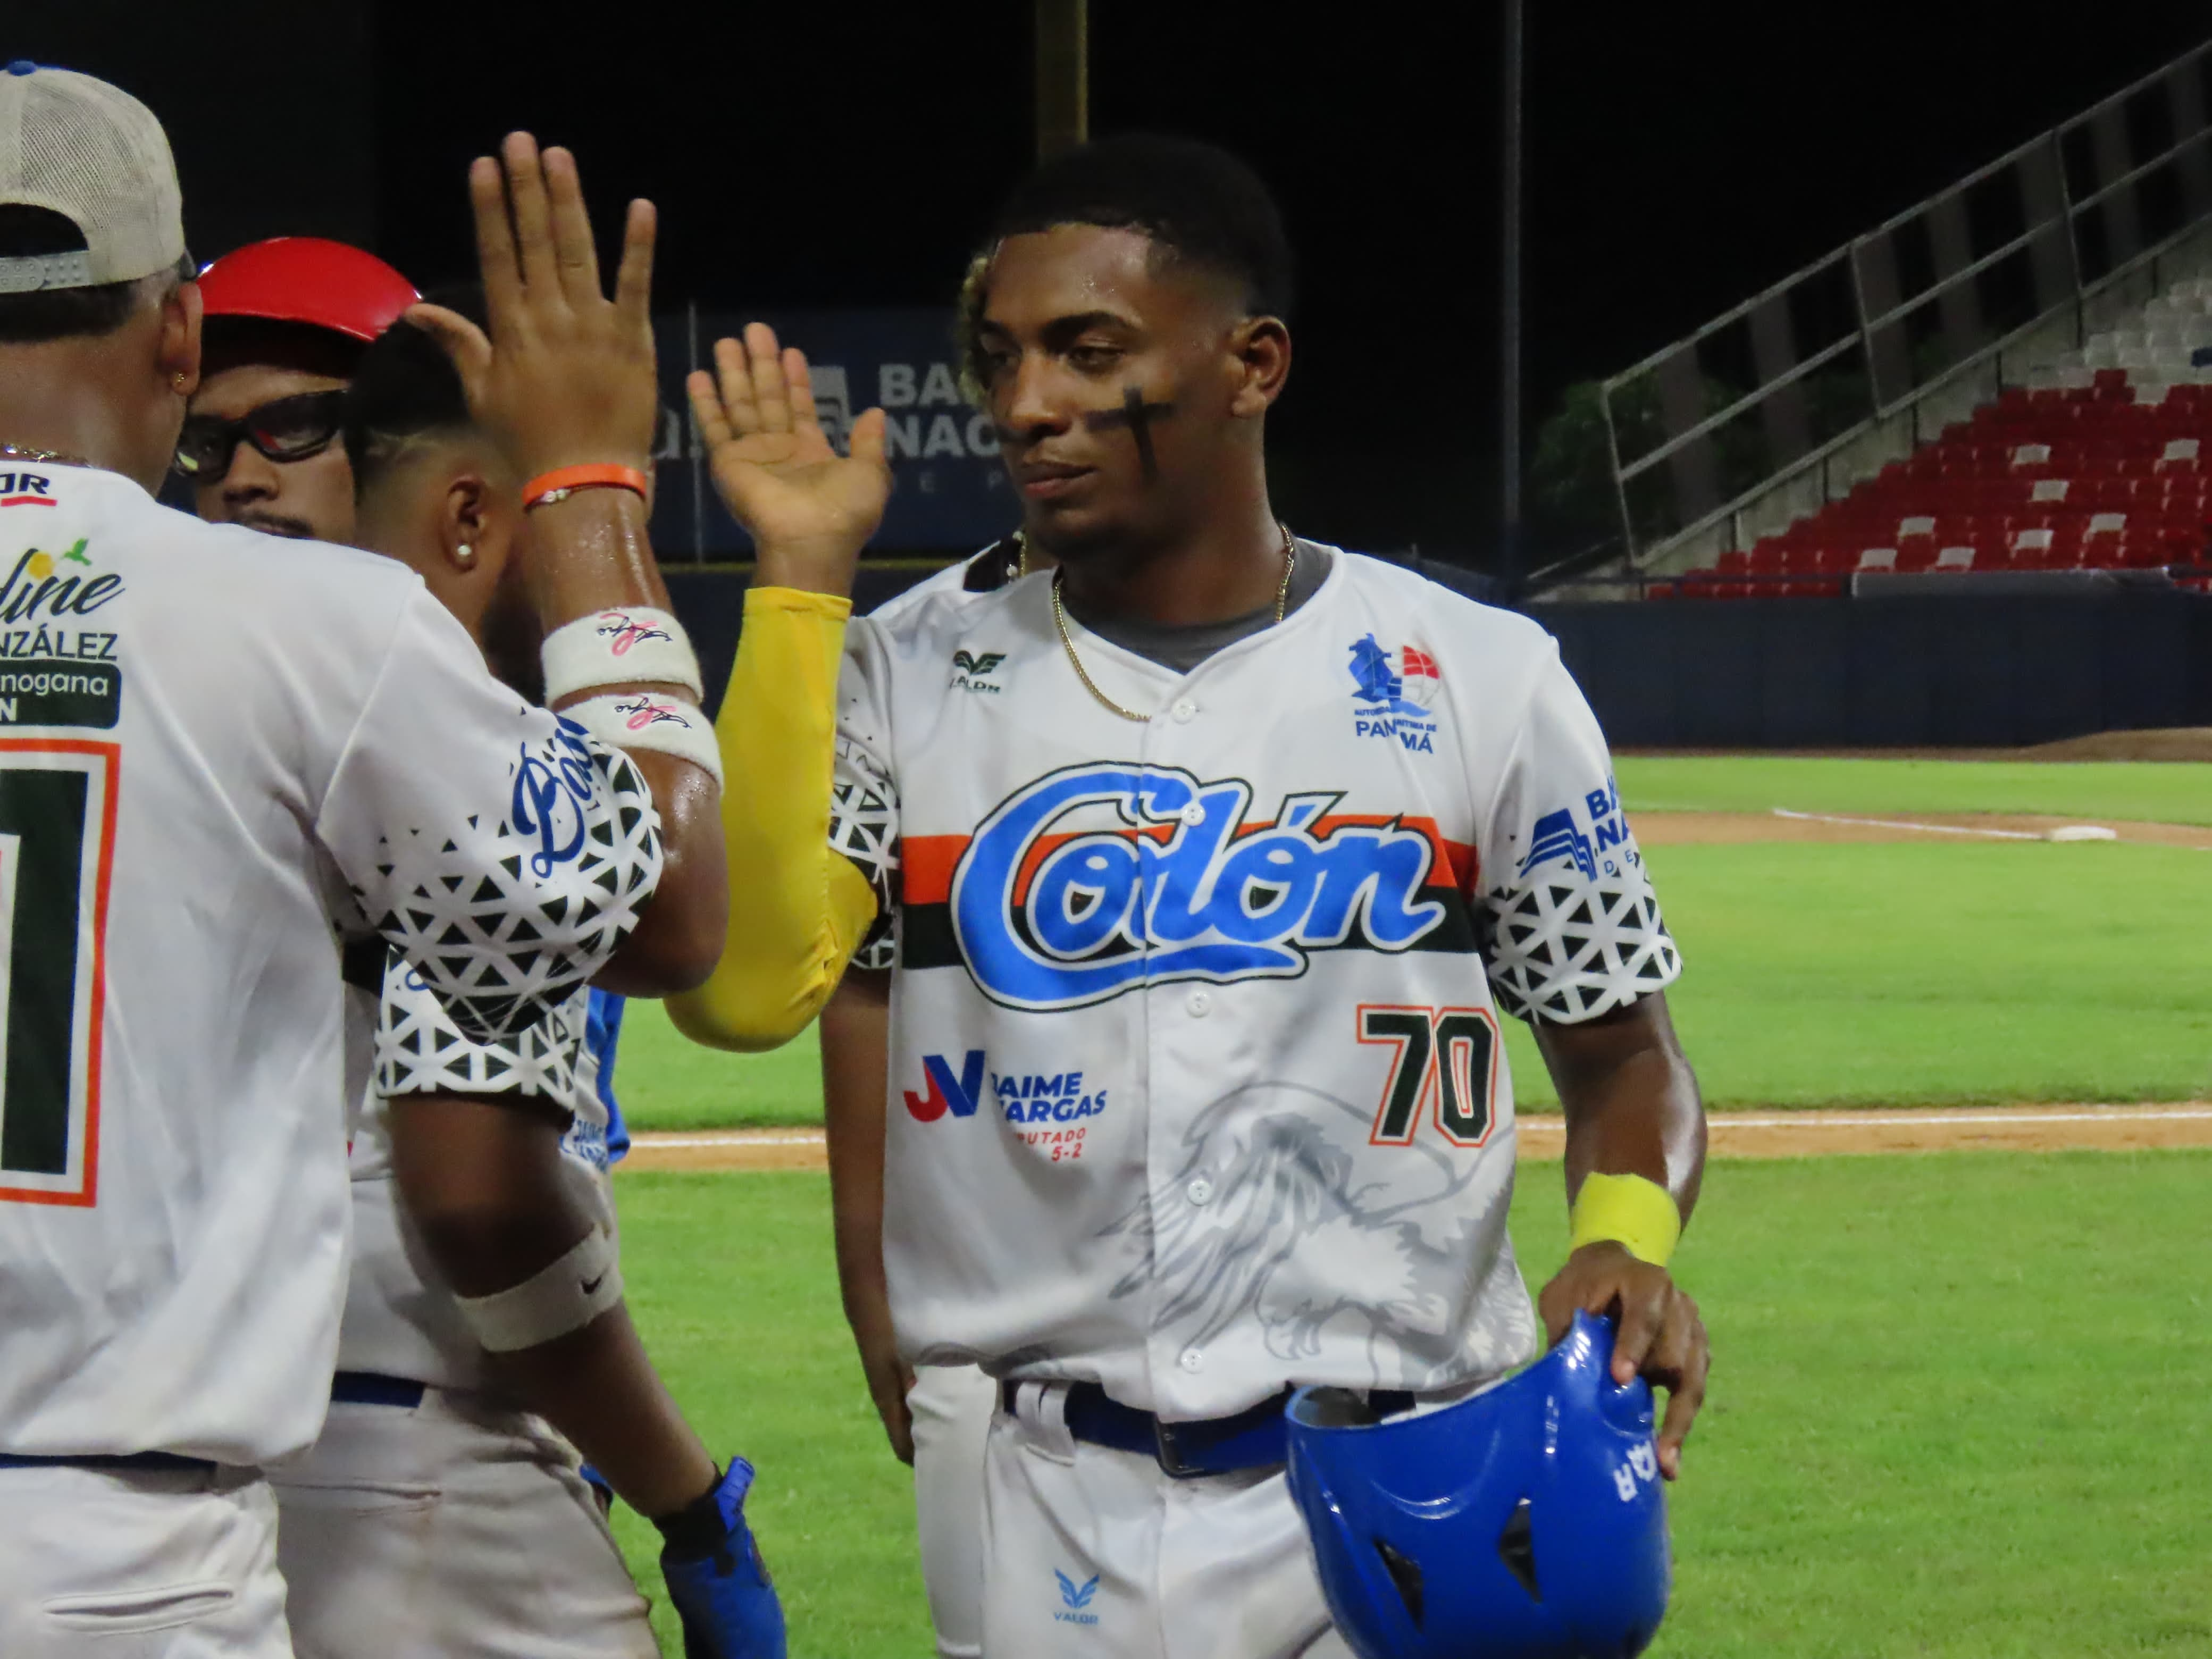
[(1679, 156)]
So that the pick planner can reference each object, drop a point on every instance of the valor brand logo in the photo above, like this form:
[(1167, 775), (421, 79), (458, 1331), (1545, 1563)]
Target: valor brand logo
[(1075, 1598), (971, 669), (1095, 878), (26, 489), (945, 1092), (1394, 697)]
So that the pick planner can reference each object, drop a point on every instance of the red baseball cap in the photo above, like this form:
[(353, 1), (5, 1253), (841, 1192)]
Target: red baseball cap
[(307, 279)]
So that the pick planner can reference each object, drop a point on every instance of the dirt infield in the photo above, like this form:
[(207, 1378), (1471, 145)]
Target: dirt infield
[(1709, 828), (2179, 742), (1734, 1134)]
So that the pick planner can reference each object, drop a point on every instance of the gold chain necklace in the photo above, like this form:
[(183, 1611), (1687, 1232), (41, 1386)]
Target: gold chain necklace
[(24, 453), (1067, 643)]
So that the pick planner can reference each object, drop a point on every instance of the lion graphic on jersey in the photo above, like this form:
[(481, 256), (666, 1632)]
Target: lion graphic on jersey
[(1286, 1179)]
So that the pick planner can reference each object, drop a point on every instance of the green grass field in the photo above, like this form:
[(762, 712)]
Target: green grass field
[(2158, 792), (1957, 1409), (1950, 972), (1958, 1404)]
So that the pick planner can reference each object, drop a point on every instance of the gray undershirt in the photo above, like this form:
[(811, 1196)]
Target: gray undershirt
[(1182, 648)]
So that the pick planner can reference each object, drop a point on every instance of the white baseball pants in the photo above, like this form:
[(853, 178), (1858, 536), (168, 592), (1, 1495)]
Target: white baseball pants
[(139, 1565), (952, 1407), (455, 1528), (1099, 1552)]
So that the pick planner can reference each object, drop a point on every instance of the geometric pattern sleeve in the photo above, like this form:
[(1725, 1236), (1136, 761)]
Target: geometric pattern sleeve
[(1573, 930), (864, 803), (421, 1051), (505, 853)]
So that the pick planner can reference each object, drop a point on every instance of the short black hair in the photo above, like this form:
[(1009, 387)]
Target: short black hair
[(229, 341), (1195, 200), (55, 313), (405, 387)]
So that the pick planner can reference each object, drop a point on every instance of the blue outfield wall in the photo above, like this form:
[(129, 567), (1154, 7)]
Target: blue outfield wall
[(1890, 672), (1798, 673)]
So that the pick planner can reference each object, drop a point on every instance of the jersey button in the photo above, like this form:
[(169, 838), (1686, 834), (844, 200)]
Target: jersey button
[(1200, 1003), (1191, 1360), (1200, 1190), (1184, 711), (1194, 813)]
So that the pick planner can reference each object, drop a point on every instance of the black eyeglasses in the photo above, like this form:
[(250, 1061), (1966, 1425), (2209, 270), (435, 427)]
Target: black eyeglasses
[(284, 429)]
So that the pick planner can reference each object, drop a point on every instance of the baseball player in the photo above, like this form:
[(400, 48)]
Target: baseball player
[(286, 321), (432, 1516), (289, 326), (223, 756), (937, 1416), (506, 1552), (1212, 858)]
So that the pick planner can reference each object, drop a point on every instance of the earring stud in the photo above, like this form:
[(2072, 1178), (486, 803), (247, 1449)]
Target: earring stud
[(465, 553)]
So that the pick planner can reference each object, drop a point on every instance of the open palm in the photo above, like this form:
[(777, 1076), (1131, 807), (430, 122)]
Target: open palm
[(808, 509)]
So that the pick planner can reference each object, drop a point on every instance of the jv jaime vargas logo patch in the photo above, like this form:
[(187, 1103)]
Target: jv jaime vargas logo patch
[(1049, 1110), (1396, 692)]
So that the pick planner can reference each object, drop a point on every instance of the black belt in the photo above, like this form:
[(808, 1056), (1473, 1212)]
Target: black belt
[(1254, 1438), (367, 1389), (152, 1462)]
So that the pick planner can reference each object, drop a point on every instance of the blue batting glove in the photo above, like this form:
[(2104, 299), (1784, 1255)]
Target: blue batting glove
[(716, 1579)]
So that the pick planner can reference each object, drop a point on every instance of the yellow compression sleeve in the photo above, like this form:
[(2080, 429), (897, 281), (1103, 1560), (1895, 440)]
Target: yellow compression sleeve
[(797, 910), (1639, 1215)]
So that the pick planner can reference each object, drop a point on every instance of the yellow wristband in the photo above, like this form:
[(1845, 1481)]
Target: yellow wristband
[(1639, 1215)]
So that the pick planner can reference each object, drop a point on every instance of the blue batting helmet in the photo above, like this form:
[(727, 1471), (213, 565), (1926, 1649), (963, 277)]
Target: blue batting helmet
[(1523, 1522)]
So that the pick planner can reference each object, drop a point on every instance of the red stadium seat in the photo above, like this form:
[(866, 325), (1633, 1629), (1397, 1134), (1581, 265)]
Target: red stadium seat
[(2040, 479)]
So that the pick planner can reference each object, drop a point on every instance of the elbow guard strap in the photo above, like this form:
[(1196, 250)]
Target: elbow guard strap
[(1639, 1215), (564, 1296)]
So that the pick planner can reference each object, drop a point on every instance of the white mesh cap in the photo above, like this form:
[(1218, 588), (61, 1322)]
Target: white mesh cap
[(95, 155)]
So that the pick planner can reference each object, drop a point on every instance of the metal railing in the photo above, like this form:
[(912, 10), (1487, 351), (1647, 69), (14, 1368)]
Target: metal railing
[(2013, 259)]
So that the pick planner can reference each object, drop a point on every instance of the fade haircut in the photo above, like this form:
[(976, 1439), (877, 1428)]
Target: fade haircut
[(62, 313), (405, 388), (1200, 205)]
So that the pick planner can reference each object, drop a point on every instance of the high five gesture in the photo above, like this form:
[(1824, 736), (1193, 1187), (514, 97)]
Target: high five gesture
[(567, 377), (809, 509)]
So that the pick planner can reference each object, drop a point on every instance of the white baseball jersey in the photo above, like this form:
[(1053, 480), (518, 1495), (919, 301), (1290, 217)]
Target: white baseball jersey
[(220, 750), (950, 1406), (400, 1316), (1197, 1083), (960, 583)]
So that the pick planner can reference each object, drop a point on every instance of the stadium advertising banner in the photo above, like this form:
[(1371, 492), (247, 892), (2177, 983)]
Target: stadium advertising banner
[(948, 491)]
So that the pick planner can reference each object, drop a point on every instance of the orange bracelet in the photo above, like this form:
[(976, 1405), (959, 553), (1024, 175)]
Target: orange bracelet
[(564, 482)]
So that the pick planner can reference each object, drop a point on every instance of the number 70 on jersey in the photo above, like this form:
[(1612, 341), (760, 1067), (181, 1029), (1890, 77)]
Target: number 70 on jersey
[(1444, 1065)]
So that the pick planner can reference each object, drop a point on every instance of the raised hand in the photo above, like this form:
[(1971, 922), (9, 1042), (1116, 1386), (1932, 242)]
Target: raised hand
[(808, 509), (567, 376)]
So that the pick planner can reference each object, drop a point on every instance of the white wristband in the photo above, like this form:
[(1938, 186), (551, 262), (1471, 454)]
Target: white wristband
[(636, 720), (629, 645), (565, 1295)]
